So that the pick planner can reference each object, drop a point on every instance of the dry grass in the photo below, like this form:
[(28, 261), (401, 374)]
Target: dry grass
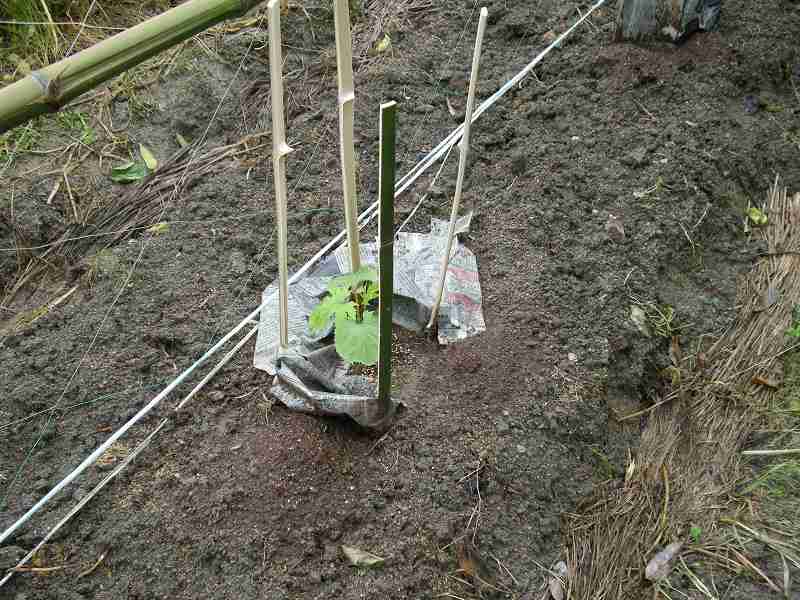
[(688, 464)]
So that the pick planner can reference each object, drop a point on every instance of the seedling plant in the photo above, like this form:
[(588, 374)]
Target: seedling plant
[(351, 304)]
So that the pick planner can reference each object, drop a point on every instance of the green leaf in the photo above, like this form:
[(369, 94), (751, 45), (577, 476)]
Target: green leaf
[(158, 228), (384, 43), (351, 280), (371, 292), (148, 157), (336, 303), (757, 216), (357, 342), (694, 533), (129, 172)]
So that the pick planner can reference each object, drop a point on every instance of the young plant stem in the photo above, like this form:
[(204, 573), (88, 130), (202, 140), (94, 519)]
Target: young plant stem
[(279, 151), (388, 128), (463, 147), (344, 66)]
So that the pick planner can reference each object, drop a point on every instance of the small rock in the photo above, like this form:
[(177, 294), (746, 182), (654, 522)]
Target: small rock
[(521, 449), (572, 357), (615, 229), (635, 158), (10, 556), (519, 163), (238, 263), (751, 104)]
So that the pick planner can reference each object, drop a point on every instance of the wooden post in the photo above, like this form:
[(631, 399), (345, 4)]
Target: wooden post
[(279, 151), (386, 177), (463, 147), (344, 68)]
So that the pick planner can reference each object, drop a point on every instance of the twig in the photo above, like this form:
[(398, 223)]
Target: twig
[(771, 452)]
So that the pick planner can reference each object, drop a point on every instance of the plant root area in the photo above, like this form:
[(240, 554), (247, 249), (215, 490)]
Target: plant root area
[(613, 181)]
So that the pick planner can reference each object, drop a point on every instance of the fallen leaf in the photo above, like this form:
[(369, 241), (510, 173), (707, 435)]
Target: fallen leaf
[(148, 157), (757, 380), (360, 558), (450, 108), (554, 584), (158, 228), (384, 44), (639, 319), (181, 140), (128, 172)]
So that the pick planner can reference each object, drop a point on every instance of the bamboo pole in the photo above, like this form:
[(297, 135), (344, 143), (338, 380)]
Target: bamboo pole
[(387, 129), (50, 88), (344, 66), (463, 147), (280, 149)]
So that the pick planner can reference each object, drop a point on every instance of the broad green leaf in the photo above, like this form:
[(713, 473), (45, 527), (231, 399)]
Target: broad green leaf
[(331, 306), (148, 157), (357, 342), (371, 293), (128, 172), (351, 280)]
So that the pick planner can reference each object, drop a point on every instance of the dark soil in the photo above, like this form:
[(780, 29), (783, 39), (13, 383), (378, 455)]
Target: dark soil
[(505, 431)]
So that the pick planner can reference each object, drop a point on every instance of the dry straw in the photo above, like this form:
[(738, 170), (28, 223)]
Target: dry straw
[(689, 456)]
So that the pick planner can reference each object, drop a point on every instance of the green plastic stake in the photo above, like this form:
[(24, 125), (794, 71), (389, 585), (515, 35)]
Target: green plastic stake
[(387, 129)]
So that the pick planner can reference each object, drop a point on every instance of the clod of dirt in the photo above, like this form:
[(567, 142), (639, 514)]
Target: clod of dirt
[(635, 158), (519, 163), (615, 229)]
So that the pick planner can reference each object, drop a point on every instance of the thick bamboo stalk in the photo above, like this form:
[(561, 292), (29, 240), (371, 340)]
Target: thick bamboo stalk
[(344, 65), (387, 128), (463, 147), (50, 88), (280, 149)]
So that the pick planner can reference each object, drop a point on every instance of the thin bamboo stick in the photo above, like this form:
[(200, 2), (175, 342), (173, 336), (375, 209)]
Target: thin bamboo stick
[(279, 151), (344, 66), (387, 128), (463, 147)]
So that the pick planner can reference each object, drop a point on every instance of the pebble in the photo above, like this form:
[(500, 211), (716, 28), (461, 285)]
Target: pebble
[(521, 449)]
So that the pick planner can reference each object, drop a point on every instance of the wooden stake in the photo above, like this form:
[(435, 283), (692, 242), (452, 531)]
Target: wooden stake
[(387, 129), (463, 147), (344, 65), (279, 151)]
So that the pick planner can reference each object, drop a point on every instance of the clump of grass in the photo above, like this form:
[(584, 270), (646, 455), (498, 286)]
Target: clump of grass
[(779, 480)]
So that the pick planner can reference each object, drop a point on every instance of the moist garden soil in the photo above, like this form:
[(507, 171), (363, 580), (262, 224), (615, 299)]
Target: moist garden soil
[(617, 174)]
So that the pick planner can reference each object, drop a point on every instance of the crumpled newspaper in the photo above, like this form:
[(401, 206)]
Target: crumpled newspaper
[(324, 387)]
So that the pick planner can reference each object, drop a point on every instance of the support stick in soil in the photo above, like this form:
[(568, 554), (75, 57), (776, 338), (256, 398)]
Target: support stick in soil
[(462, 162), (364, 218), (344, 64), (387, 128), (279, 151)]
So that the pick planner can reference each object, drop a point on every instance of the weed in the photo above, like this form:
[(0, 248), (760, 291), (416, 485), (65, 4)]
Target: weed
[(75, 122), (780, 480), (19, 141)]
